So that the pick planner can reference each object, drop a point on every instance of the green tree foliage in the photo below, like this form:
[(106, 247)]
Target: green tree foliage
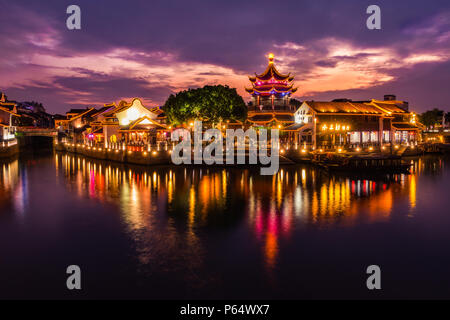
[(431, 118), (211, 104)]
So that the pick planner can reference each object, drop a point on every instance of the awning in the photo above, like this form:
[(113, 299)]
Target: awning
[(294, 127), (405, 126), (261, 118), (284, 118)]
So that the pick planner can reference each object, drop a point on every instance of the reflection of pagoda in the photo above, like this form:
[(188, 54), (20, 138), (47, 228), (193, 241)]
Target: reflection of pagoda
[(271, 93)]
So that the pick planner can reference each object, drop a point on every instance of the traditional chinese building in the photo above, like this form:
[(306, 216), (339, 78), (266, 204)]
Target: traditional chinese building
[(74, 123), (130, 124), (271, 92), (8, 119), (355, 124)]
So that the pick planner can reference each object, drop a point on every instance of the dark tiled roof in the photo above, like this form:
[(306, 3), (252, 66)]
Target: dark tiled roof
[(261, 117), (391, 107), (284, 117), (270, 72), (294, 127), (343, 107), (405, 125), (77, 110)]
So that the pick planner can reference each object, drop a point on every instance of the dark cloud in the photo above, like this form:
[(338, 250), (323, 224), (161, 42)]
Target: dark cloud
[(234, 34), (428, 78), (64, 92), (326, 63)]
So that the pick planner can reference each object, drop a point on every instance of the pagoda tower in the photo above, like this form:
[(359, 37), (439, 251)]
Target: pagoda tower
[(271, 90)]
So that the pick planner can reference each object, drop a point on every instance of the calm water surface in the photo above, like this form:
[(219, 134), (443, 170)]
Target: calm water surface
[(173, 232)]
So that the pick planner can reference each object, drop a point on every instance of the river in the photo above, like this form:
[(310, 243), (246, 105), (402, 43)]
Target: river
[(212, 232)]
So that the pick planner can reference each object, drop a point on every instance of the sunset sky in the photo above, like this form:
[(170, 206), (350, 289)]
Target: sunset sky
[(150, 49)]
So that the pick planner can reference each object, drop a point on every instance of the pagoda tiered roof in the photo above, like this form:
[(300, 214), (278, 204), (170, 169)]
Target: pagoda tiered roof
[(271, 82), (271, 88), (264, 118)]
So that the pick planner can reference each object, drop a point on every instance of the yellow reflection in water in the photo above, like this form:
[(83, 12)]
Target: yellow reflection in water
[(412, 191), (11, 188), (272, 207)]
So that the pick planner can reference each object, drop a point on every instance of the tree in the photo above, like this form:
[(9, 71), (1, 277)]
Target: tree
[(210, 103), (294, 102), (431, 118)]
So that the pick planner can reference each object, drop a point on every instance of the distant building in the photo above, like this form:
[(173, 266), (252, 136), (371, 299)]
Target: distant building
[(9, 119), (33, 114), (74, 122)]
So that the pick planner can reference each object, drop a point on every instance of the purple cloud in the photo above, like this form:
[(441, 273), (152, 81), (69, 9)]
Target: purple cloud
[(151, 49)]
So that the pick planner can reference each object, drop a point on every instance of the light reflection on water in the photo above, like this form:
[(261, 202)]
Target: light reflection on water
[(272, 207), (173, 215)]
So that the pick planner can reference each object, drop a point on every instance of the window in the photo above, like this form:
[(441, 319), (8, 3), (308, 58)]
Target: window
[(354, 137), (374, 136), (365, 136)]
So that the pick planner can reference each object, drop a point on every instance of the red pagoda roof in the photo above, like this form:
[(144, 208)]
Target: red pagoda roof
[(271, 72), (271, 81), (272, 88)]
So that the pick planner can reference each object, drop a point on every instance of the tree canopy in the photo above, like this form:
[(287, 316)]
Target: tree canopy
[(431, 118), (210, 103), (294, 102)]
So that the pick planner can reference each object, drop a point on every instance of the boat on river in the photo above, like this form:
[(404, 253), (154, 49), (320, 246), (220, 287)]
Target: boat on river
[(370, 163)]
